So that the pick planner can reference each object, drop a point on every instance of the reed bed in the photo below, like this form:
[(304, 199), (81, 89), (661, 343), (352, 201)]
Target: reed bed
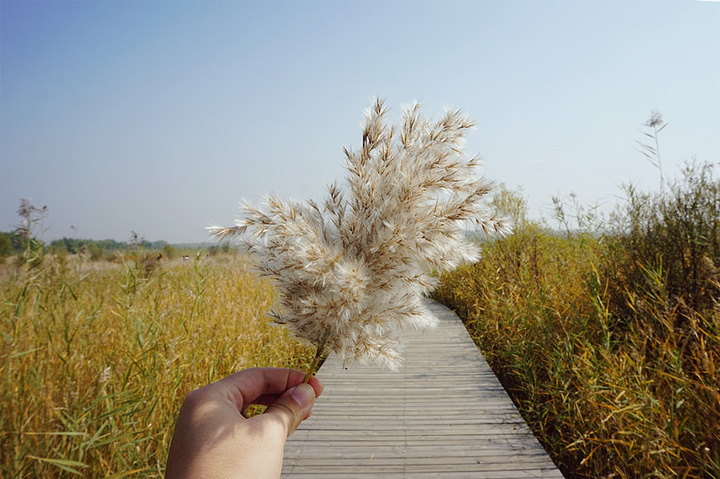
[(609, 343), (96, 357)]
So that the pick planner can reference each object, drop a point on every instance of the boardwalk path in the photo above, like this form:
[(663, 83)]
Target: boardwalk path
[(444, 415)]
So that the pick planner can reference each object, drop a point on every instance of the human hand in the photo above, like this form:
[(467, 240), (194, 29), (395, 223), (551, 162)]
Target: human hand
[(213, 439)]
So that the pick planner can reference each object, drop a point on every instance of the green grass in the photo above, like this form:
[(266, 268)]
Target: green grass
[(96, 357)]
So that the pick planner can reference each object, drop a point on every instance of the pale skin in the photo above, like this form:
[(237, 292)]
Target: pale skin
[(213, 438)]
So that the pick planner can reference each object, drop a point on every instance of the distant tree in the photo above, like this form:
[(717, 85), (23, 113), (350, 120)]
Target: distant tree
[(156, 245), (97, 249)]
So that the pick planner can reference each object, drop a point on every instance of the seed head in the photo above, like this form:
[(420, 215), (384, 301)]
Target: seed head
[(353, 271)]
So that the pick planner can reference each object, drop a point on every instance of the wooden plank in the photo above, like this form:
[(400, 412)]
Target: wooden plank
[(444, 414)]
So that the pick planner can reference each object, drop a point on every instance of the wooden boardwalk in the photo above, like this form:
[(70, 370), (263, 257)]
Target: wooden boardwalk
[(444, 415)]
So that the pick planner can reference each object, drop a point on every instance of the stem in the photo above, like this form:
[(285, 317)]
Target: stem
[(657, 156), (318, 356)]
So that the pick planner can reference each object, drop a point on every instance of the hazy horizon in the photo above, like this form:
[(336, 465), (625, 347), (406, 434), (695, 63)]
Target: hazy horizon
[(160, 117)]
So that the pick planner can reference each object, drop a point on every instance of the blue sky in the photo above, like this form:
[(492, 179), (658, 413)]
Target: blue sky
[(159, 117)]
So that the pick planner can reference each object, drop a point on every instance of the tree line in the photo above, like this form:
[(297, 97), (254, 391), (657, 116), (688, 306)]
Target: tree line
[(12, 243)]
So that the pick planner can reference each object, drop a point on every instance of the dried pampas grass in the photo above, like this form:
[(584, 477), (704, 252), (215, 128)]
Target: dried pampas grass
[(352, 272)]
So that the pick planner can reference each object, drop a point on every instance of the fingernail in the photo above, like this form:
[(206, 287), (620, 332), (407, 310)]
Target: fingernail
[(303, 394)]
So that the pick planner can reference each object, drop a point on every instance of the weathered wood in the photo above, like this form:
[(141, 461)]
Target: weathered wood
[(444, 415)]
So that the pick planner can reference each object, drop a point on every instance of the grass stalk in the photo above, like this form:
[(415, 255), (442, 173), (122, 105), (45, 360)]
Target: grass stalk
[(318, 358)]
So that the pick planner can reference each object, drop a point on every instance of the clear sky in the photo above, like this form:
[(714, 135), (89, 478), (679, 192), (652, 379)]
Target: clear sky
[(160, 116)]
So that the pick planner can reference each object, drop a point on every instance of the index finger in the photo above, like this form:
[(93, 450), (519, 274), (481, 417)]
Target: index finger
[(261, 385)]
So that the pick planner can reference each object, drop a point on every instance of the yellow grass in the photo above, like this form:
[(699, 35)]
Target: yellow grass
[(96, 357), (608, 395)]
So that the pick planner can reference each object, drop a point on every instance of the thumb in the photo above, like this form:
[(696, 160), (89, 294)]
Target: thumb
[(293, 407)]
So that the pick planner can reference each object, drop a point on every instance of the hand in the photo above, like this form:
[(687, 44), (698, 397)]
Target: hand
[(213, 439)]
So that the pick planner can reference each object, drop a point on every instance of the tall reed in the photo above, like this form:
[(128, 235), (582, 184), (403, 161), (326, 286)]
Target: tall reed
[(609, 344), (96, 357)]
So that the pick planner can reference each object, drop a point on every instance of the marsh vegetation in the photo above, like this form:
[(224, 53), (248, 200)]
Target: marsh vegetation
[(97, 356), (607, 336)]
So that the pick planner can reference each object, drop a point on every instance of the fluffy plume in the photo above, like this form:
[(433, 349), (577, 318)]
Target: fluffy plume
[(352, 271)]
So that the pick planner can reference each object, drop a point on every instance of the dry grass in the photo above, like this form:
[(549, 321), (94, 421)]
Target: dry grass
[(95, 357), (617, 381)]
